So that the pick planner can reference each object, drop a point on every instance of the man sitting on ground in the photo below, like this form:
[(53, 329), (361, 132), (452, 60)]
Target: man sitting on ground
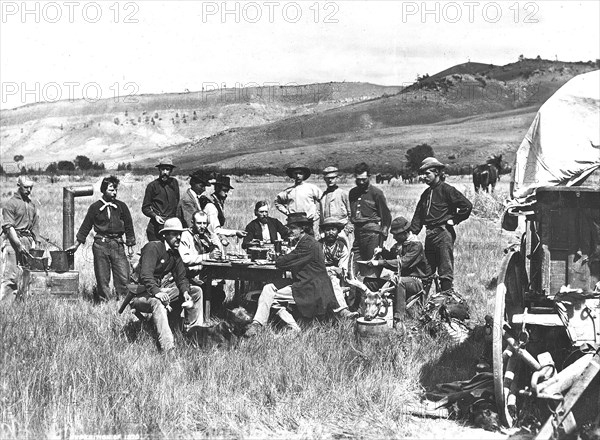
[(310, 289), (337, 256), (158, 259), (407, 257)]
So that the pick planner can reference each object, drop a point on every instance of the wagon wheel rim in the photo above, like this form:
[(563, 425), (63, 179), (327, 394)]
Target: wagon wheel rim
[(510, 284)]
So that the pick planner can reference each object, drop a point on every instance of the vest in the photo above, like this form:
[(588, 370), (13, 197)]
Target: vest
[(204, 200)]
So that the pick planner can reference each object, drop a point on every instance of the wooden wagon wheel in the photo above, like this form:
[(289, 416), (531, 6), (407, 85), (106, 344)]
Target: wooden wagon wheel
[(509, 301)]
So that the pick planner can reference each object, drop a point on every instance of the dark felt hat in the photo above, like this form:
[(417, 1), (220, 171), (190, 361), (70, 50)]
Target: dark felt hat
[(201, 176), (295, 167), (400, 224), (297, 218), (221, 179)]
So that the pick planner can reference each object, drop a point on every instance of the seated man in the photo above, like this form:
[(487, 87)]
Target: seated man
[(159, 258), (197, 245), (310, 289), (336, 255), (407, 257), (264, 228)]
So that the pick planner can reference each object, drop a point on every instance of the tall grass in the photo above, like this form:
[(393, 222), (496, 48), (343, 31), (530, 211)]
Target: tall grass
[(71, 368)]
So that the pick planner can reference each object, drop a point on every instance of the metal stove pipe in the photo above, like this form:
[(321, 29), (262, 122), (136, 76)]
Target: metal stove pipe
[(69, 194)]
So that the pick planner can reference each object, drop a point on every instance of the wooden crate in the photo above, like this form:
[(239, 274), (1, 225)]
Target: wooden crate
[(63, 285), (569, 225)]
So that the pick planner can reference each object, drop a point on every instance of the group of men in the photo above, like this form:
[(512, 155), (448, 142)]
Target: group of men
[(184, 231)]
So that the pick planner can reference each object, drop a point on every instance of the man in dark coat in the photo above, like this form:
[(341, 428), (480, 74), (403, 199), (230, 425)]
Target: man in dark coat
[(160, 199), (440, 208), (311, 288), (190, 201), (264, 228)]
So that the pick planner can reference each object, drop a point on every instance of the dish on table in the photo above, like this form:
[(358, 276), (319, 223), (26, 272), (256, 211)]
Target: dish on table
[(241, 262)]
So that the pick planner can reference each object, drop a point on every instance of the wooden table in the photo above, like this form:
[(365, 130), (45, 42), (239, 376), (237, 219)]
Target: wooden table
[(226, 270)]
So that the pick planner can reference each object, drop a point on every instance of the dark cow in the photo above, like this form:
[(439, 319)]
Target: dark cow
[(385, 177), (488, 174)]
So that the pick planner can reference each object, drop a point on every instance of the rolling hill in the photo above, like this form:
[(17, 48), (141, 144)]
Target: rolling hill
[(465, 113)]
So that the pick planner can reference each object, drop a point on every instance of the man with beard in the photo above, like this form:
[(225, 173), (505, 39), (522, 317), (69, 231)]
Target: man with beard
[(198, 245), (110, 219), (440, 208), (310, 288), (335, 204), (214, 206), (20, 226), (369, 214), (158, 259), (161, 199), (190, 201), (302, 197), (337, 255)]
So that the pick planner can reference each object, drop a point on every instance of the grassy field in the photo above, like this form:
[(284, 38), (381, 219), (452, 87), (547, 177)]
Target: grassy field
[(70, 369)]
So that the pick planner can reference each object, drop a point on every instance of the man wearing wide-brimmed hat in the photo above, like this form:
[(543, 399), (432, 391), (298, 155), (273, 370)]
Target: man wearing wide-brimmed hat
[(302, 196), (161, 198), (158, 259), (335, 204), (337, 256), (214, 206), (440, 208), (190, 201), (407, 258), (20, 228), (310, 288)]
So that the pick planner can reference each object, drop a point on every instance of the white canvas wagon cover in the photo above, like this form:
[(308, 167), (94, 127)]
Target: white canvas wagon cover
[(562, 145)]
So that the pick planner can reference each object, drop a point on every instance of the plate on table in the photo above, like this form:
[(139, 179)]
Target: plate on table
[(241, 262)]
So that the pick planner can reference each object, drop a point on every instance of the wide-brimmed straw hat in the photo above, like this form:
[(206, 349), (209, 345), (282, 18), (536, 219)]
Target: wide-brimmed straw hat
[(297, 167), (172, 225), (330, 172), (299, 218), (332, 221), (165, 162), (431, 162)]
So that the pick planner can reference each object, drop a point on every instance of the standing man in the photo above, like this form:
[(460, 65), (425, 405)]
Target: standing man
[(369, 214), (302, 197), (161, 199), (158, 259), (190, 202), (21, 227), (214, 206), (335, 204), (310, 289), (440, 208), (110, 219)]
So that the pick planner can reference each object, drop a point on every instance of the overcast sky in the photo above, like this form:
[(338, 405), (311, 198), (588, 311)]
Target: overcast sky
[(99, 49)]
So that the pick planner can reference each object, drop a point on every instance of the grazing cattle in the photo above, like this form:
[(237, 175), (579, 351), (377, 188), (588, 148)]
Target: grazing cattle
[(411, 177), (488, 174), (385, 177)]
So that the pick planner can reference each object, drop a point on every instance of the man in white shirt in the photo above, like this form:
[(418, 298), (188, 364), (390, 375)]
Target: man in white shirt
[(302, 197), (214, 207)]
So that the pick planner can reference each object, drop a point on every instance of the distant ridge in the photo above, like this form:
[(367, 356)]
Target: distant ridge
[(465, 112)]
